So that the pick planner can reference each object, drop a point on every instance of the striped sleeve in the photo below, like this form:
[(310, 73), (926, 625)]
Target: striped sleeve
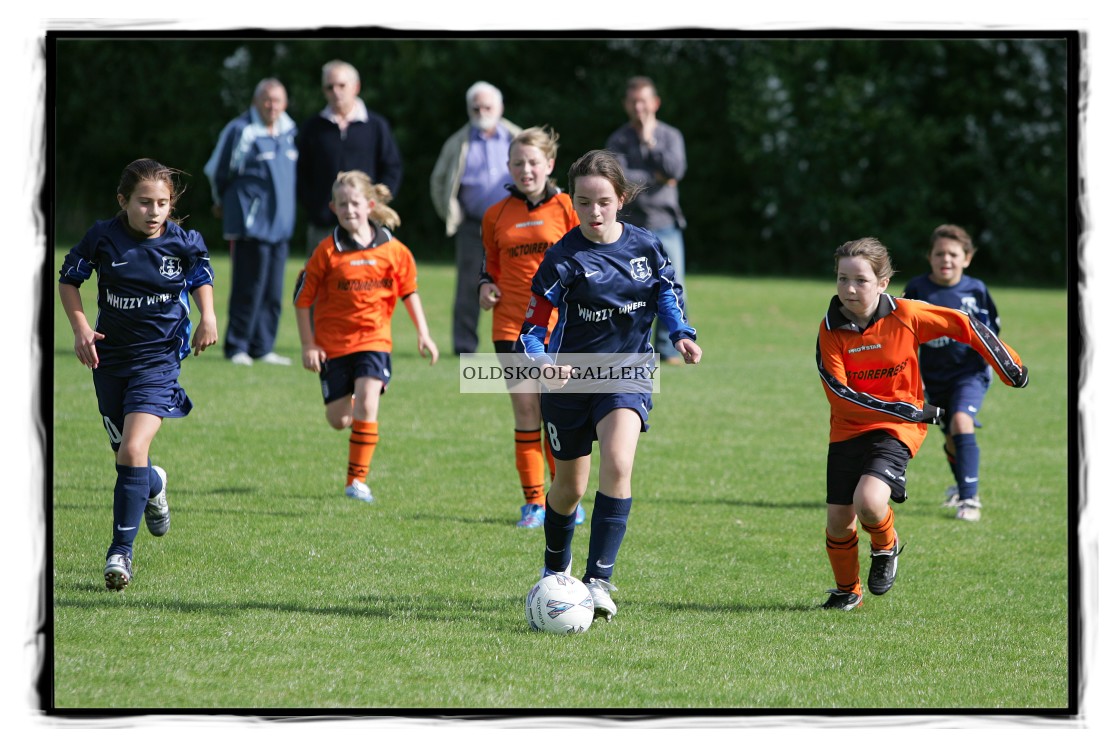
[(931, 322)]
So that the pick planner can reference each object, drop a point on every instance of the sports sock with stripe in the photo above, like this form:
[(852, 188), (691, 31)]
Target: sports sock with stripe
[(882, 534), (530, 464), (608, 527), (363, 441), (843, 556)]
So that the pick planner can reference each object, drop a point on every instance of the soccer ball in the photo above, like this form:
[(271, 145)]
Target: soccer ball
[(559, 604)]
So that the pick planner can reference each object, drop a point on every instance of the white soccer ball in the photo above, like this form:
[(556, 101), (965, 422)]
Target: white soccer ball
[(559, 604)]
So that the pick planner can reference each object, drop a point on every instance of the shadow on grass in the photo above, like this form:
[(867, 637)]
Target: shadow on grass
[(386, 608), (783, 505)]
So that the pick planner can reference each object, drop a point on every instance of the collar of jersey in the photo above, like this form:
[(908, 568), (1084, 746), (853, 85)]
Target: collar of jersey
[(344, 240), (549, 192), (837, 320)]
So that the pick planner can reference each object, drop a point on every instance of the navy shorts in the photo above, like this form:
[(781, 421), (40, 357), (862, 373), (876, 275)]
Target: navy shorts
[(337, 375), (155, 392), (570, 419), (965, 394), (876, 453)]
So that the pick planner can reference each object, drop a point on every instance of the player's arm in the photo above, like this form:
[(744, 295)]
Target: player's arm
[(311, 355), (85, 337), (670, 301), (424, 341), (488, 291), (206, 334), (934, 321)]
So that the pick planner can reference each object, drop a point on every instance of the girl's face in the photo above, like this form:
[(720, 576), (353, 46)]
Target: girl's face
[(351, 207), (948, 260), (530, 169), (597, 205), (858, 288), (147, 207)]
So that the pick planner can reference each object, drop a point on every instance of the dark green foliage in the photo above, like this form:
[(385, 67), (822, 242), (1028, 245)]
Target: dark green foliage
[(794, 145)]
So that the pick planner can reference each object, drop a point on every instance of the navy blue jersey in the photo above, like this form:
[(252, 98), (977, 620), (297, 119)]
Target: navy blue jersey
[(143, 292), (943, 360), (607, 296)]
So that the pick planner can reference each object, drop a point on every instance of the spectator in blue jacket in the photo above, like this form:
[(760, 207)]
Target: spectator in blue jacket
[(253, 183)]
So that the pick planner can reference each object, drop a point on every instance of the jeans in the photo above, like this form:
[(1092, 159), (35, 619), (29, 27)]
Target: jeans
[(673, 240)]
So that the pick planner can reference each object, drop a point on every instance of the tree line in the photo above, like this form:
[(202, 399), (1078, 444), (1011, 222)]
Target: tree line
[(795, 145)]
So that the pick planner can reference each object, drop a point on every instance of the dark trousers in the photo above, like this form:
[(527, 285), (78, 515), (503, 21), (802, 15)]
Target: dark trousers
[(469, 254), (255, 296)]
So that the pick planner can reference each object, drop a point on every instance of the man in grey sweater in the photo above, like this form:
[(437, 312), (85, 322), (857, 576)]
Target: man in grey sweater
[(652, 153)]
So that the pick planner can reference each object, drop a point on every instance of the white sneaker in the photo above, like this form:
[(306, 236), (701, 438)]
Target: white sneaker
[(118, 572), (359, 491), (157, 514), (275, 360), (601, 590), (567, 571), (969, 509), (952, 497), (241, 359)]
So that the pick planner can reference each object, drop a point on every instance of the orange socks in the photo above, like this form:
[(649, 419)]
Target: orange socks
[(882, 534), (843, 554), (363, 440), (530, 464)]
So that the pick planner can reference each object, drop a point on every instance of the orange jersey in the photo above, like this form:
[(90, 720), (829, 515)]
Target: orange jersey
[(516, 236), (352, 291), (871, 377)]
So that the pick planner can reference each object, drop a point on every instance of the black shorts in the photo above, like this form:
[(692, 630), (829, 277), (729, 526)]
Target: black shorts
[(337, 375), (570, 419), (876, 453)]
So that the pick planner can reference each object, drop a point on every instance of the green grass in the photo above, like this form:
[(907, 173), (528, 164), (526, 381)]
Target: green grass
[(272, 591)]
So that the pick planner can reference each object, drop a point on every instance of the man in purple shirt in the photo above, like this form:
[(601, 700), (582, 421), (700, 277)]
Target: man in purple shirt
[(469, 176)]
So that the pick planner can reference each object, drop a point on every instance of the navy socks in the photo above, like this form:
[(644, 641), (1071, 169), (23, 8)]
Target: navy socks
[(558, 531), (130, 496), (968, 464), (608, 527)]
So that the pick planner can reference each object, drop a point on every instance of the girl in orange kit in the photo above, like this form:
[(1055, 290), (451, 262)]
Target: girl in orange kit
[(867, 357), (516, 232), (353, 280)]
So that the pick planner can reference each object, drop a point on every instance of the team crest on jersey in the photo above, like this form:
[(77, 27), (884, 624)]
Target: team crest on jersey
[(171, 267), (969, 306), (639, 269)]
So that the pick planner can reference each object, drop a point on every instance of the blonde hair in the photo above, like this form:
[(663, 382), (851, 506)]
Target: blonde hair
[(870, 249), (544, 139), (379, 194)]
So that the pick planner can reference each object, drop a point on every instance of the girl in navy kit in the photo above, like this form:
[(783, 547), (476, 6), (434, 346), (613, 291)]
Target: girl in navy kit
[(608, 280), (147, 269)]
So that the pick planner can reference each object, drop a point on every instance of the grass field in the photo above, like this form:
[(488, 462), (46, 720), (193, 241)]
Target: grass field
[(272, 591)]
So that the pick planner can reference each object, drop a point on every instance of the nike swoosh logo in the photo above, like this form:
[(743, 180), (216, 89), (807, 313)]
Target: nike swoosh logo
[(971, 479), (118, 264), (589, 274), (172, 409), (604, 567), (124, 529)]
